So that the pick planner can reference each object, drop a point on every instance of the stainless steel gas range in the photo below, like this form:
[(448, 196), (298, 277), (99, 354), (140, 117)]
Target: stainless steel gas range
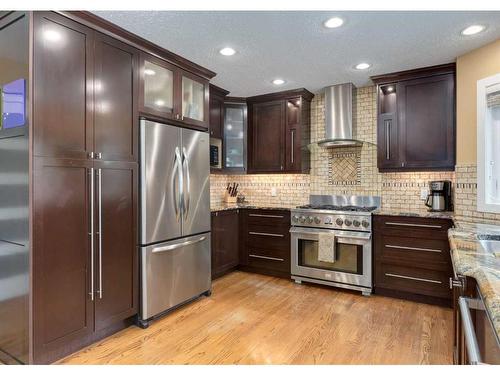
[(349, 218)]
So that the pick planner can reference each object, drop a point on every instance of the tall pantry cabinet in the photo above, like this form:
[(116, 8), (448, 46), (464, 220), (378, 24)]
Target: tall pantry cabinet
[(85, 163)]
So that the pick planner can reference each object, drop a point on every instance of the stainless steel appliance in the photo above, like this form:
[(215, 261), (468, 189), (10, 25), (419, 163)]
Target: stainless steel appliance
[(439, 198), (175, 217), (215, 153), (349, 219)]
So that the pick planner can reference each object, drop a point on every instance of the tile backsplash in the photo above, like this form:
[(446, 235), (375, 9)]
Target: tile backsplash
[(353, 170)]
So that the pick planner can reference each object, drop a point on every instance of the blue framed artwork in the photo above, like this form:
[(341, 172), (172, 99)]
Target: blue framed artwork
[(13, 104)]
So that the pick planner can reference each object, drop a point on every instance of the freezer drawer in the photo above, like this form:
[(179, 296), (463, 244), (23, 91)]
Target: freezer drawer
[(174, 272)]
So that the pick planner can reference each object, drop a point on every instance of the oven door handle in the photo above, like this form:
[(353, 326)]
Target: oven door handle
[(338, 234)]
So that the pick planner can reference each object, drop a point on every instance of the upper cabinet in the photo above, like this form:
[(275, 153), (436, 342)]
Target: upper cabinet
[(279, 132), (92, 113), (171, 93), (235, 135), (216, 108), (416, 119)]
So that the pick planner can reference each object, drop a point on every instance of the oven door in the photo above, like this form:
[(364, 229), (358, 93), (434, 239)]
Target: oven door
[(353, 258)]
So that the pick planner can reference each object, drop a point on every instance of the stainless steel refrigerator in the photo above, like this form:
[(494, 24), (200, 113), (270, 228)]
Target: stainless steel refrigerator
[(175, 217)]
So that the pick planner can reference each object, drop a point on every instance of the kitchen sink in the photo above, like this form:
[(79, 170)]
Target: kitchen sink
[(491, 247)]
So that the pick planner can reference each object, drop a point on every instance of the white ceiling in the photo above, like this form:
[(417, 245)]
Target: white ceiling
[(296, 47)]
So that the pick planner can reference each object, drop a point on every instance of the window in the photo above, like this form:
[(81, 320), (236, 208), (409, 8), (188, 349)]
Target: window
[(488, 144)]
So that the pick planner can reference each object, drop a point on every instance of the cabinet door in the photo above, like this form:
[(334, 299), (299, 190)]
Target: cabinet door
[(293, 135), (116, 118), (427, 122), (194, 100), (224, 241), (266, 132), (63, 61), (216, 116), (158, 80), (116, 251), (235, 130), (62, 302)]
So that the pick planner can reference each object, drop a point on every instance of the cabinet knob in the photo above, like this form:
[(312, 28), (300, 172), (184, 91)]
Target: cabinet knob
[(98, 155), (90, 155)]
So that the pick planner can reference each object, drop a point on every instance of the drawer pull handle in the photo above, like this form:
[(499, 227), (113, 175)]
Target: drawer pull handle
[(266, 234), (413, 278), (269, 258), (414, 225), (414, 248), (271, 216)]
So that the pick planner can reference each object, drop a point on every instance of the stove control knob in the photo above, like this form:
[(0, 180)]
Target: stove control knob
[(348, 222), (317, 220), (295, 218), (356, 223), (365, 224), (310, 219), (339, 222), (328, 220), (302, 219)]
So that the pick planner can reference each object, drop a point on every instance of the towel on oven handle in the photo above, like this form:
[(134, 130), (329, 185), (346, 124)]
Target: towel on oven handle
[(326, 247)]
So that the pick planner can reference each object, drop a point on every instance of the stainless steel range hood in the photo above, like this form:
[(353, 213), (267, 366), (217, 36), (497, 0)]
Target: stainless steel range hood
[(339, 127)]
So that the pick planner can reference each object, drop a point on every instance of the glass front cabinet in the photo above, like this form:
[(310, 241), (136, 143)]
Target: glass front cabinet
[(235, 133), (169, 92)]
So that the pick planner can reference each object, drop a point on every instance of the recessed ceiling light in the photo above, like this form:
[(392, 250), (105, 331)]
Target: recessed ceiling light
[(149, 72), (227, 51), (362, 66), (333, 22), (278, 81), (390, 89), (160, 103), (473, 29)]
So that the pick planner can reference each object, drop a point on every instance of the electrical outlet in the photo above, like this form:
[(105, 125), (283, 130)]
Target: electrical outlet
[(424, 192), (274, 192)]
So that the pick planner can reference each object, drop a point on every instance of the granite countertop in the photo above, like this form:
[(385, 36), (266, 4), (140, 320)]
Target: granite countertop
[(472, 257), (234, 206), (424, 214)]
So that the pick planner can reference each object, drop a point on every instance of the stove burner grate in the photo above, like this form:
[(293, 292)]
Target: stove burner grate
[(339, 208)]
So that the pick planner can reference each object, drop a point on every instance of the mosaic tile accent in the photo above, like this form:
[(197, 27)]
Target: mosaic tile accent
[(344, 168)]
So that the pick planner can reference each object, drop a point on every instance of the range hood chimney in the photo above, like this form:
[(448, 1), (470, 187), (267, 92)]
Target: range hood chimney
[(339, 128)]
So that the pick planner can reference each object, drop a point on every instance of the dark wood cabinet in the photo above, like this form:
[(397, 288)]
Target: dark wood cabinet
[(116, 261), (85, 274), (266, 134), (416, 119), (216, 108), (412, 258), (63, 309), (168, 92), (265, 241), (115, 100), (63, 87), (279, 132), (225, 242)]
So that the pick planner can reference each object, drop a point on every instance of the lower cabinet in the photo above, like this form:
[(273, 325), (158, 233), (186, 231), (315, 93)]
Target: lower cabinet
[(412, 258), (265, 242), (84, 253), (225, 242)]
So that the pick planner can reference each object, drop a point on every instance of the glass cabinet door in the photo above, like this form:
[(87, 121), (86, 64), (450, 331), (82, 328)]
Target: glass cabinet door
[(193, 99), (158, 88), (234, 136)]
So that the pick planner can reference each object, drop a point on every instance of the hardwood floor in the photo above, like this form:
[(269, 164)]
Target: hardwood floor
[(254, 319)]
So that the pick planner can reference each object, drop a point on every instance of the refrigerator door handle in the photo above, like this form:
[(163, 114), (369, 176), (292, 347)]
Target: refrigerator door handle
[(178, 245), (188, 183), (179, 189)]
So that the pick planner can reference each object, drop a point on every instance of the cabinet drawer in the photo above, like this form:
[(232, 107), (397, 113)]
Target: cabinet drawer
[(274, 218), (271, 259), (266, 237), (413, 280), (418, 252), (413, 227)]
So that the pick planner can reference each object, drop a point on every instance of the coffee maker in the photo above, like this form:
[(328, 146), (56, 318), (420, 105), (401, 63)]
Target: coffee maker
[(439, 198)]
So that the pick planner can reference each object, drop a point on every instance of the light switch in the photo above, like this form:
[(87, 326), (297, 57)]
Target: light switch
[(274, 192), (424, 192)]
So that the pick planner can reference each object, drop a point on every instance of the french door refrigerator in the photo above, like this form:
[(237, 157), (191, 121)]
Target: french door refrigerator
[(175, 217)]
